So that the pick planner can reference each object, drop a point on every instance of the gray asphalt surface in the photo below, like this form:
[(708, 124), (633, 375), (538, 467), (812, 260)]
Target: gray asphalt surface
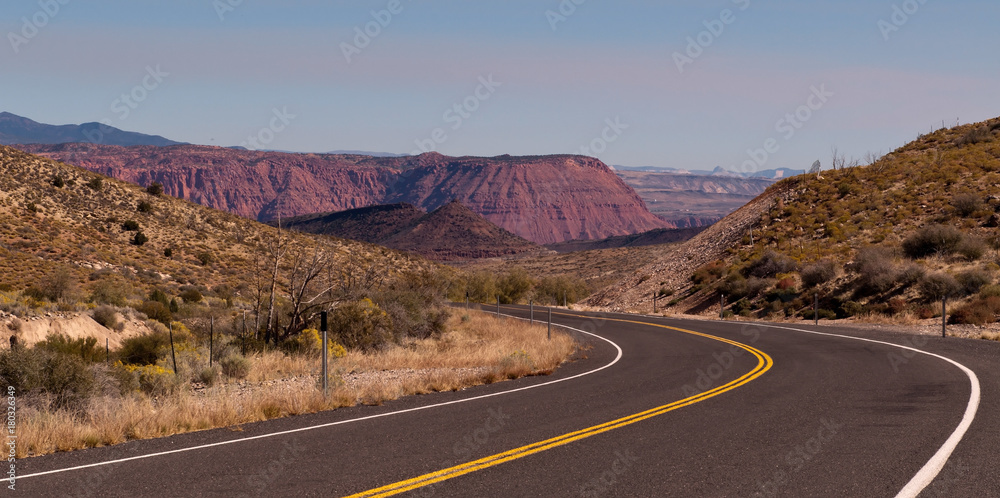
[(832, 417)]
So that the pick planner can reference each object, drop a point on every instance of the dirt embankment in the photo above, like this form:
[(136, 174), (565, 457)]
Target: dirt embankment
[(30, 331)]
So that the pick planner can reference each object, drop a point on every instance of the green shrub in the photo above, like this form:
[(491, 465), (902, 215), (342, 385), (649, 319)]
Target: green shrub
[(168, 253), (68, 379), (139, 239), (515, 285), (111, 290), (361, 325), (85, 348), (107, 316), (96, 183), (851, 309), (155, 310), (58, 182), (144, 207), (144, 349), (235, 366), (155, 189), (130, 226), (159, 296), (990, 291), (551, 289), (819, 273), (191, 296), (933, 239)]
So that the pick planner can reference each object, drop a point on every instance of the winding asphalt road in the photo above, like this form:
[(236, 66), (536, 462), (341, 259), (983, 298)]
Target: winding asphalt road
[(653, 407)]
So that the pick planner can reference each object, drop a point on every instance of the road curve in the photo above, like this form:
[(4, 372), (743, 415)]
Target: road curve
[(828, 416)]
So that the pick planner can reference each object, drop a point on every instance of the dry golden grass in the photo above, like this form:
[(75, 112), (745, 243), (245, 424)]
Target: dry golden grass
[(477, 349)]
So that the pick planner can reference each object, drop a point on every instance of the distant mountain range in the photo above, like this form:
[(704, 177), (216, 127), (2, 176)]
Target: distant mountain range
[(15, 129), (451, 232), (769, 174)]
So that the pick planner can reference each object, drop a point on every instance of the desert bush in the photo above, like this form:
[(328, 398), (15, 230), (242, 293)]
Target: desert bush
[(235, 366), (709, 273), (155, 189), (139, 239), (191, 296), (514, 286), (85, 348), (736, 287), (973, 280), (130, 226), (935, 286), (967, 204), (144, 349), (933, 239), (896, 306), (551, 289), (67, 379), (54, 286), (159, 296), (155, 310), (481, 287), (96, 183), (168, 253), (205, 258), (58, 182), (974, 136), (990, 291), (112, 290), (876, 269), (208, 375), (911, 273), (310, 341), (361, 325), (978, 312), (154, 380), (144, 207), (851, 309), (106, 315), (770, 264), (971, 248), (819, 273)]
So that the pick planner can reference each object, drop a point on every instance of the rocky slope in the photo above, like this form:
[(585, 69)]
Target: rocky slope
[(544, 199), (451, 232)]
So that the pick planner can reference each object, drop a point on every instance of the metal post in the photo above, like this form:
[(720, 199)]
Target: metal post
[(173, 357), (326, 376), (498, 306), (531, 308), (944, 316), (816, 308), (243, 337), (466, 300), (211, 342), (550, 324), (107, 351), (722, 306), (565, 302), (654, 303)]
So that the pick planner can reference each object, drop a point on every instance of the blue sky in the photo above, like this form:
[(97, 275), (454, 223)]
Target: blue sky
[(222, 78)]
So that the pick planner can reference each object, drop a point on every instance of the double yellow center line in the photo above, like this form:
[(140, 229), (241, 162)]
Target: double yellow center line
[(764, 363)]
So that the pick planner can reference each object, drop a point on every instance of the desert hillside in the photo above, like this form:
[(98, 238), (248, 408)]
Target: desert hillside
[(888, 238), (451, 232), (71, 240), (544, 199)]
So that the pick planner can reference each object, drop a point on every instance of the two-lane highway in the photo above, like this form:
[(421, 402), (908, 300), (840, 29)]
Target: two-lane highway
[(654, 407)]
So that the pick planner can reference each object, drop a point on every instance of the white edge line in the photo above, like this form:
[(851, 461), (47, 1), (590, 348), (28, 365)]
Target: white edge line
[(926, 475), (331, 424)]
